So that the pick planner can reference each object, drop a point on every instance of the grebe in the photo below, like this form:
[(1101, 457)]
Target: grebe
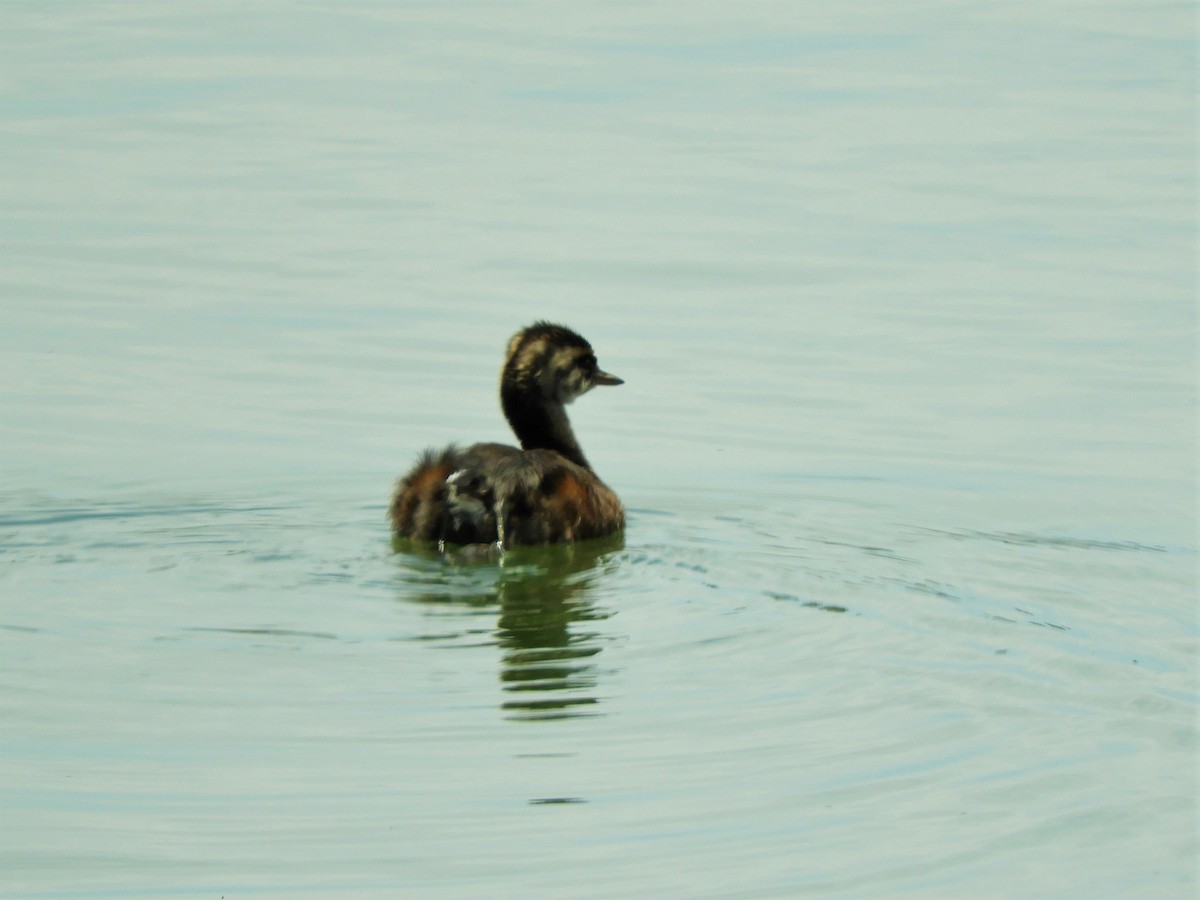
[(545, 492)]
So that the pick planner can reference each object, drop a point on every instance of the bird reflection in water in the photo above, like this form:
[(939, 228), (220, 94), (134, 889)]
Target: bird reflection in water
[(545, 600)]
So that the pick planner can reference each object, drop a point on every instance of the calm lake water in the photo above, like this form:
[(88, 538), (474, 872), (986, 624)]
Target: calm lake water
[(904, 298)]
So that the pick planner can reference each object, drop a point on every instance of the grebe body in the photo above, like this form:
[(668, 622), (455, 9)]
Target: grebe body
[(542, 493)]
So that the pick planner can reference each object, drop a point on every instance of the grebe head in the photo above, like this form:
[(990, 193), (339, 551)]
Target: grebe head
[(551, 364)]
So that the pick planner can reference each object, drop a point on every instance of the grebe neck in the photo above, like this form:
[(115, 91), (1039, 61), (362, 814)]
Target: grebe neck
[(541, 424)]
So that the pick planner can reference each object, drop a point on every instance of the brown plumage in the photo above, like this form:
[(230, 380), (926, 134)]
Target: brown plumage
[(542, 493)]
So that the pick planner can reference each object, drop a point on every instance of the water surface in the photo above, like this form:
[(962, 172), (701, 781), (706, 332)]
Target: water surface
[(905, 305)]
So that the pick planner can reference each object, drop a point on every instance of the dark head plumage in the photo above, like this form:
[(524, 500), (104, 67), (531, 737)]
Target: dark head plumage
[(548, 363)]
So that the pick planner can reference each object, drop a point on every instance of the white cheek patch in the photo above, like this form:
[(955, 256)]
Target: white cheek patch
[(565, 380), (574, 384)]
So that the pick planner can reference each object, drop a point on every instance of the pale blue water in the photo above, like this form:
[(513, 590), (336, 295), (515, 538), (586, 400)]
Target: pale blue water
[(904, 299)]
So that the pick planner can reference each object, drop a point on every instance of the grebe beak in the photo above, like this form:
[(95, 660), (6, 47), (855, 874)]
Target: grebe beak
[(599, 377)]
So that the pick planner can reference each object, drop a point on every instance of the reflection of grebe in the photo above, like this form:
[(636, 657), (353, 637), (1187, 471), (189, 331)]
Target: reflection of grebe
[(543, 493)]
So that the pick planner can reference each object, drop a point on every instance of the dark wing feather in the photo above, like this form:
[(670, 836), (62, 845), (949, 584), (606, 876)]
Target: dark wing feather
[(537, 496)]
